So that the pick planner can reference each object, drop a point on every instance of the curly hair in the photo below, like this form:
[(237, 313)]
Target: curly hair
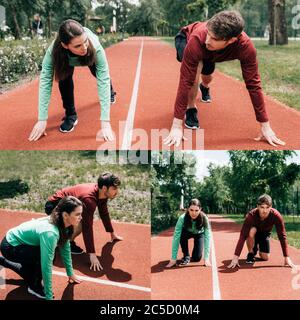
[(226, 24)]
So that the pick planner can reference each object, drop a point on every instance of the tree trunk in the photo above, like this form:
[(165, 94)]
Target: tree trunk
[(16, 23), (29, 26), (277, 20), (49, 25)]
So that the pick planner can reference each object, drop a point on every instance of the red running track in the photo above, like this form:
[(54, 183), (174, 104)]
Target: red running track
[(228, 122), (125, 263), (192, 282), (18, 108), (267, 280)]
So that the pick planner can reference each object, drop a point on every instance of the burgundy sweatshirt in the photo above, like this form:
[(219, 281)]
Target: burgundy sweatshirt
[(253, 220), (88, 193), (195, 51)]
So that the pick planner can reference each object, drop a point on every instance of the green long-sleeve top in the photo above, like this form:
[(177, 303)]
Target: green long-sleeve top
[(194, 230), (102, 75), (40, 232)]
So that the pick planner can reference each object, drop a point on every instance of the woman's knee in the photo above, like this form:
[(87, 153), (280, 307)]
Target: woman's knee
[(196, 258)]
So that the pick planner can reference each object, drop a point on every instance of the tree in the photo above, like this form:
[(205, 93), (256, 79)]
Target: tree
[(215, 194), (17, 9), (255, 14), (51, 7), (145, 18), (169, 182), (78, 10), (215, 6), (278, 26), (257, 172)]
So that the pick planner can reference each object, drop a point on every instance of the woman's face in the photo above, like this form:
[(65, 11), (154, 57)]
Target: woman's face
[(194, 211), (74, 218), (78, 45)]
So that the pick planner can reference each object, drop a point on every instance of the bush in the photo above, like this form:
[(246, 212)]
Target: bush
[(24, 57), (18, 58)]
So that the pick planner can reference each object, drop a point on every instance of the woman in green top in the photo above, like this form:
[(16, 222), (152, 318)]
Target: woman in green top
[(192, 224), (74, 45), (29, 248)]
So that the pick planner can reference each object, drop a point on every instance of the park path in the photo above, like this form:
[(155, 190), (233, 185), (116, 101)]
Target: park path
[(126, 265), (145, 75), (265, 280)]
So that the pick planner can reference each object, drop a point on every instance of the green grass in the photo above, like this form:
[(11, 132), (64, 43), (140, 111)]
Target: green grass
[(292, 226), (279, 69), (41, 173)]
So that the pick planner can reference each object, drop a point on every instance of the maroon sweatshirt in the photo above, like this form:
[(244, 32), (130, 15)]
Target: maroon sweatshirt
[(195, 51), (88, 193), (253, 220)]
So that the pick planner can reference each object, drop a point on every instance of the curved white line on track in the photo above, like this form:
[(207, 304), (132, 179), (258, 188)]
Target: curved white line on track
[(106, 282)]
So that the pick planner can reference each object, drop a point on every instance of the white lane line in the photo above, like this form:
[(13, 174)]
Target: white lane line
[(126, 143), (215, 277), (106, 282)]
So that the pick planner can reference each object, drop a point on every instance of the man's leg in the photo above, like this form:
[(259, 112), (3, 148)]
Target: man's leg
[(77, 231), (250, 245), (75, 249), (264, 245), (191, 117), (264, 256), (194, 90), (251, 239), (206, 78)]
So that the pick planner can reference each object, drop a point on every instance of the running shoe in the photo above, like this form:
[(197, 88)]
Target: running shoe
[(184, 261), (250, 258), (75, 249), (191, 118), (68, 124), (205, 94)]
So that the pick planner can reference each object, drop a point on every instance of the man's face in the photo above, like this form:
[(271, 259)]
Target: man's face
[(214, 44), (78, 45), (264, 210), (111, 192)]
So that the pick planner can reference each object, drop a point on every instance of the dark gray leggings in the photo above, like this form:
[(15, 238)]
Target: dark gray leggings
[(66, 88), (198, 244), (23, 259)]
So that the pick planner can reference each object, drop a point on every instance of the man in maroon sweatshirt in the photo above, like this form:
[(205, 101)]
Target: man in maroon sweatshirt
[(256, 231), (199, 46), (92, 195)]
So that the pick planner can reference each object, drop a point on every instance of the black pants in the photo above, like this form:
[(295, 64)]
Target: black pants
[(180, 44), (66, 88), (262, 242), (50, 205), (198, 244), (23, 259)]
